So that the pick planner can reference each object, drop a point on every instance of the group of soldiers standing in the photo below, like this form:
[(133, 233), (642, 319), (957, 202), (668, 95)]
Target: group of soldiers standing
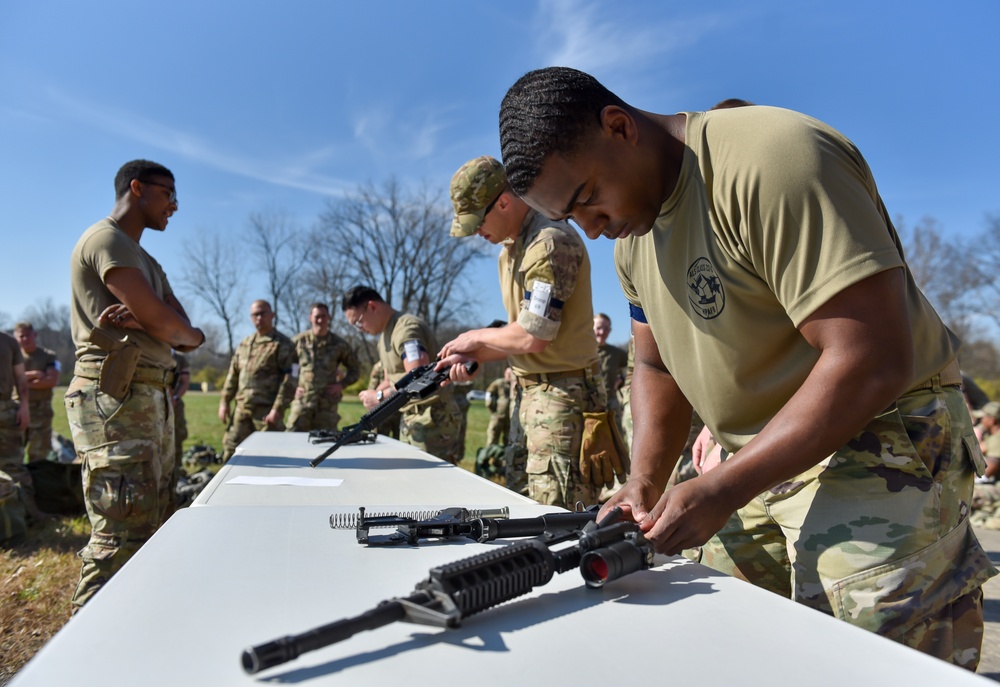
[(270, 372)]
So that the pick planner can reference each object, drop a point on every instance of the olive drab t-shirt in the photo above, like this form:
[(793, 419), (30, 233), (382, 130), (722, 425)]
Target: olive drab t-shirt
[(545, 285), (773, 214), (102, 248), (40, 360)]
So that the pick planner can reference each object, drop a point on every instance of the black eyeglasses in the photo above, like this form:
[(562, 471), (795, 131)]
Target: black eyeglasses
[(173, 192), (490, 206)]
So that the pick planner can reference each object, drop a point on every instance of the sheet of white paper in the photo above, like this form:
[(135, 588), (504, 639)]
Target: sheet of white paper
[(286, 481)]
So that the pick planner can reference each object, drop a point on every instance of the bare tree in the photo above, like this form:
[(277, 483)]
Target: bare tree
[(941, 270), (987, 269), (398, 243), (277, 237), (211, 274)]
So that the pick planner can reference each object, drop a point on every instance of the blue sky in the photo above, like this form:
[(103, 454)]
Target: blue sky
[(262, 106)]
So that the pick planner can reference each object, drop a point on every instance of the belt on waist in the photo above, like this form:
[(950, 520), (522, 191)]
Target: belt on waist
[(546, 377), (951, 375), (142, 375)]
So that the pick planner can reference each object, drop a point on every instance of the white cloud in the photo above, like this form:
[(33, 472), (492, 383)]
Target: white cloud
[(293, 172), (599, 38), (400, 137)]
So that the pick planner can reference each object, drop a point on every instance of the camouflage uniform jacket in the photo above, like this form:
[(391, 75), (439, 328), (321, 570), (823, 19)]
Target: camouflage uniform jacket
[(498, 396), (613, 361), (320, 359), (262, 372)]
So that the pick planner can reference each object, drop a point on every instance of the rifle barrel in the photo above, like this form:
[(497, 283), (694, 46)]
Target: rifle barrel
[(270, 654)]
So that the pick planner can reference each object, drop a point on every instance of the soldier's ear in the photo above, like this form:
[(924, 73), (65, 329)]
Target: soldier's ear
[(135, 186)]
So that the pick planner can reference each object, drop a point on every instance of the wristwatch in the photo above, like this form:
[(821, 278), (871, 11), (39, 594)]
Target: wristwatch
[(378, 395)]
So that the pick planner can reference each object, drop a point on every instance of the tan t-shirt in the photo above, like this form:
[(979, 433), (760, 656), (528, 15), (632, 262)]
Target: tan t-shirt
[(102, 248), (40, 360), (545, 285), (773, 214), (10, 355), (404, 338)]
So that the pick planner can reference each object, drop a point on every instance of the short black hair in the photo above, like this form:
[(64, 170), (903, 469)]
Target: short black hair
[(730, 103), (141, 170), (321, 306), (548, 111), (358, 296)]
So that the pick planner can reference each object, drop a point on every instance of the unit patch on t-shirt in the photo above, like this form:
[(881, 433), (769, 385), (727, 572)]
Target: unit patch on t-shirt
[(707, 296)]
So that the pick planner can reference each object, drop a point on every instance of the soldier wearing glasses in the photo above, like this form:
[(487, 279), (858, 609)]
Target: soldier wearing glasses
[(125, 320), (406, 342)]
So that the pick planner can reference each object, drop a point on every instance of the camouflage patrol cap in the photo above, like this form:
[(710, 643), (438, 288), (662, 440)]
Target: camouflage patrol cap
[(475, 185), (991, 409)]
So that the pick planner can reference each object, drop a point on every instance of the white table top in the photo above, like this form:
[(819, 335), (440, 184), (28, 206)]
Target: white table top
[(387, 472), (214, 581)]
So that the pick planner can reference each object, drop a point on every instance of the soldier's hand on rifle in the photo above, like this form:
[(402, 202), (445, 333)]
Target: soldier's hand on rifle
[(458, 372), (688, 514), (636, 498)]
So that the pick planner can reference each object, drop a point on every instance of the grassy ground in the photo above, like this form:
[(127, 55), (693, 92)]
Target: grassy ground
[(39, 574)]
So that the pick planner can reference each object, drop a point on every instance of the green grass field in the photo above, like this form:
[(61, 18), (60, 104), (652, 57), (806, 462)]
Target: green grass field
[(202, 411)]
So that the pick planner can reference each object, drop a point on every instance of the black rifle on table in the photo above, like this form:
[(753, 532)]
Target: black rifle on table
[(419, 383), (479, 525), (602, 551), (330, 436)]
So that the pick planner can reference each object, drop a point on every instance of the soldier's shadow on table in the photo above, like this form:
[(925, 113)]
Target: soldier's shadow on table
[(485, 632)]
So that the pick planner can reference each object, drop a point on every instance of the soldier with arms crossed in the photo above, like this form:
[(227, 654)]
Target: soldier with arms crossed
[(768, 290), (42, 369), (322, 354), (118, 403)]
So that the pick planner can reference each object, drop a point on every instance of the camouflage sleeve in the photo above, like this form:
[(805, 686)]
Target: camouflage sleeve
[(288, 360), (232, 378), (351, 366), (550, 267)]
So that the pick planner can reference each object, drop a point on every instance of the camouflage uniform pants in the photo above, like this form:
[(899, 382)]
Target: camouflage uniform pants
[(515, 454), (551, 414), (434, 427), (318, 415), (127, 452), (180, 434), (246, 421), (11, 446), (38, 438), (878, 533), (498, 429)]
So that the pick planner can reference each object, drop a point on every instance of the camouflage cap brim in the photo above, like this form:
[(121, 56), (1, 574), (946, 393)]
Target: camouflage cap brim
[(466, 224)]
